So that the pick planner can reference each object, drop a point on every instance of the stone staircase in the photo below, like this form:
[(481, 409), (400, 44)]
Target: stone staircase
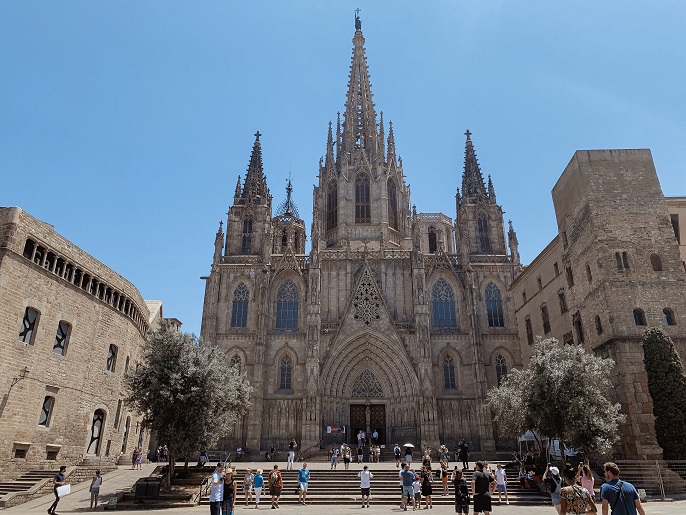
[(26, 481), (341, 486)]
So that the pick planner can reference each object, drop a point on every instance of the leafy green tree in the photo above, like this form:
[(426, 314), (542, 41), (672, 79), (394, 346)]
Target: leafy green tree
[(187, 392), (560, 394), (667, 387)]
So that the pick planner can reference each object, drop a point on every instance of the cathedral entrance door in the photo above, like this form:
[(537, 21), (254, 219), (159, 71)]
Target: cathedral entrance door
[(377, 421)]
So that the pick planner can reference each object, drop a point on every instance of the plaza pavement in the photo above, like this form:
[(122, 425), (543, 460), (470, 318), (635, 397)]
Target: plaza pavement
[(123, 478)]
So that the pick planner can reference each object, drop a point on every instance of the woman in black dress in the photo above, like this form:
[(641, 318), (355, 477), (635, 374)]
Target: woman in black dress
[(427, 487)]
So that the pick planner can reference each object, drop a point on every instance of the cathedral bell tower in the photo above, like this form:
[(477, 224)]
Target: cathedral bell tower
[(289, 228), (479, 220), (248, 229), (361, 196)]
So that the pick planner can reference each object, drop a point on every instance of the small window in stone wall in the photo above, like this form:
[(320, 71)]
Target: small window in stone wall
[(51, 454), (598, 325), (570, 276), (639, 317), (578, 327), (589, 275), (668, 317), (656, 263), (20, 453), (46, 411), (29, 325), (568, 338), (111, 358), (556, 268), (61, 338), (545, 318), (529, 331)]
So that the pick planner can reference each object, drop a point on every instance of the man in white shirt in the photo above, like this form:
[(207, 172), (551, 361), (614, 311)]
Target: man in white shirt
[(501, 480), (217, 490), (365, 484)]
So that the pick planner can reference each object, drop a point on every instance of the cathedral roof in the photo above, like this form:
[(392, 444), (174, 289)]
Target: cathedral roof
[(288, 207), (473, 186)]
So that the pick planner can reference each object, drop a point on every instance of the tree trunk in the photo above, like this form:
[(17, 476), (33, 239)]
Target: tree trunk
[(166, 483)]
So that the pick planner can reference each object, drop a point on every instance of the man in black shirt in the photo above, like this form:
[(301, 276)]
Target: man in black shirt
[(481, 489), (58, 480)]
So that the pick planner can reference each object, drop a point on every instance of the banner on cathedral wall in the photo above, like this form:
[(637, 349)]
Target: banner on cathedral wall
[(335, 429)]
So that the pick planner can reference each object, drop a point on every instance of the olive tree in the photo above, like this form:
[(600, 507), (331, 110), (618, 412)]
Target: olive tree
[(186, 391), (562, 393)]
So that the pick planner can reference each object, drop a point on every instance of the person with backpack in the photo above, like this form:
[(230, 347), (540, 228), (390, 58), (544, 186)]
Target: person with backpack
[(481, 488), (461, 492), (275, 485), (553, 481), (396, 453), (620, 496)]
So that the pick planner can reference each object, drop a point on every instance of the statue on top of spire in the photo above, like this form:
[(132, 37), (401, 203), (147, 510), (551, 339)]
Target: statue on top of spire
[(358, 22)]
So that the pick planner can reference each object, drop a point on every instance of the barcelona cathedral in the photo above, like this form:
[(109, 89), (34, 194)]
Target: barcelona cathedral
[(397, 320)]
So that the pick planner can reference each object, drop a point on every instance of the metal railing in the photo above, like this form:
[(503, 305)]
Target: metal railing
[(659, 478)]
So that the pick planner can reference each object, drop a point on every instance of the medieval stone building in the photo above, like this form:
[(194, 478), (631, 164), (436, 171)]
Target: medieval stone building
[(396, 320), (613, 270), (70, 327)]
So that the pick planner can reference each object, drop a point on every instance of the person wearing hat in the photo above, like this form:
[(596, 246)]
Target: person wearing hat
[(229, 492), (248, 481), (481, 489), (258, 481), (217, 490), (552, 479), (461, 492)]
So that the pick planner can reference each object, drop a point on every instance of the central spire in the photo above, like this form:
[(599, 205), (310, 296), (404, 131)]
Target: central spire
[(473, 187), (359, 126)]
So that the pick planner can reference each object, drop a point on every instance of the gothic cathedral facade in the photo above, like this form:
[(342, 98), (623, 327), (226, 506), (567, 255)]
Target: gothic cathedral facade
[(395, 320)]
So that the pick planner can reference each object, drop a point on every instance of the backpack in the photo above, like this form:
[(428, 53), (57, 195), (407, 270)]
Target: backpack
[(273, 477)]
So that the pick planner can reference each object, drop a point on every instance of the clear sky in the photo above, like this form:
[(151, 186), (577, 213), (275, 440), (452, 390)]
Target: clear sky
[(125, 124)]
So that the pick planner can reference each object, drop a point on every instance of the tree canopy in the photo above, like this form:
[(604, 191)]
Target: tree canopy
[(186, 390), (667, 387), (560, 394)]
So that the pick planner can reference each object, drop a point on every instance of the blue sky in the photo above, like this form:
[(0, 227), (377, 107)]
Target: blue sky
[(126, 123)]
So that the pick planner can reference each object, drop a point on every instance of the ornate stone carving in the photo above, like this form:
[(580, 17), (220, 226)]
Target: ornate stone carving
[(367, 385)]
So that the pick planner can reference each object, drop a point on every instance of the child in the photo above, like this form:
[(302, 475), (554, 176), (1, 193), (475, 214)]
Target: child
[(417, 490), (95, 489)]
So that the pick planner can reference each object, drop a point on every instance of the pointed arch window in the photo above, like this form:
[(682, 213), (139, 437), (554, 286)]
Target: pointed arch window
[(27, 331), (639, 317), (529, 331), (363, 210), (656, 263), (392, 205), (545, 318), (235, 362), (239, 311), (332, 205), (367, 385), (668, 317), (578, 327), (96, 432), (443, 300), (284, 238), (433, 241), (494, 306), (449, 373), (287, 306), (246, 241), (286, 366), (500, 369), (484, 238)]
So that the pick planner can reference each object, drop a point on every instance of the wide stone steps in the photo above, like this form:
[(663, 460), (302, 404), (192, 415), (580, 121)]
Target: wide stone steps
[(26, 481), (342, 487)]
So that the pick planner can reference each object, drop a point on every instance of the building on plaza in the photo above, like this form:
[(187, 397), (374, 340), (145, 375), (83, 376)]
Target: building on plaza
[(614, 269), (396, 320), (70, 327)]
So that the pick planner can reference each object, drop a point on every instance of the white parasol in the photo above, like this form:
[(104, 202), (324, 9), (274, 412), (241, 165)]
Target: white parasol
[(408, 445)]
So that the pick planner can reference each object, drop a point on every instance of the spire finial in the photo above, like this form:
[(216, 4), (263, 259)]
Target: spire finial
[(358, 22), (257, 136), (468, 134)]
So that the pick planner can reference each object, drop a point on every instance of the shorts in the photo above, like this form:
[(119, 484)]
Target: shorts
[(418, 497), (303, 486), (482, 502), (95, 490), (275, 491), (346, 460), (408, 491), (365, 491), (501, 488), (462, 506)]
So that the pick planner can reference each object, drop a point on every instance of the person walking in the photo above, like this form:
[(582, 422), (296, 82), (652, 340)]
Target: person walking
[(461, 492), (463, 454), (292, 446), (57, 481), (481, 489), (360, 454), (139, 458), (347, 456), (552, 479), (443, 471), (334, 457), (585, 477), (275, 485), (258, 482), (397, 452), (248, 482), (620, 496), (303, 479), (501, 483), (95, 489), (408, 455), (217, 490), (365, 485), (575, 499)]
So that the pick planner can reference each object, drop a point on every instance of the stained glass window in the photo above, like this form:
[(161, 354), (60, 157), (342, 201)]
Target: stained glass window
[(246, 242), (449, 373), (286, 369), (392, 205), (484, 238), (287, 306), (500, 369), (362, 199), (332, 205), (239, 311), (443, 300), (367, 385), (494, 306)]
